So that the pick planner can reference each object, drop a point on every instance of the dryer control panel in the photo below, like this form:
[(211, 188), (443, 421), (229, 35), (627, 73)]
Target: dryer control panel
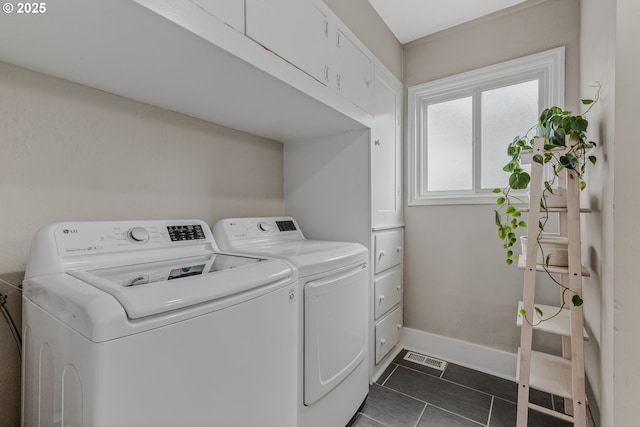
[(240, 232)]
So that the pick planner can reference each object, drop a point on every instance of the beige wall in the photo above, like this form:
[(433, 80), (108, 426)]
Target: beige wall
[(366, 24), (69, 152), (597, 64), (456, 281), (626, 233)]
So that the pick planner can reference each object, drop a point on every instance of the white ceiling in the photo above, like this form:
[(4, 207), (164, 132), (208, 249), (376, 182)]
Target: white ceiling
[(412, 19)]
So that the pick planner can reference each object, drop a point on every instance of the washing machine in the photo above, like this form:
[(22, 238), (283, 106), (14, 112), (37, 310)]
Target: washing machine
[(146, 323), (332, 281)]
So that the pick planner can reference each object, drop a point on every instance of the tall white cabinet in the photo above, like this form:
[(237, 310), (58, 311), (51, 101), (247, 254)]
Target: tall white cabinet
[(349, 187), (386, 218)]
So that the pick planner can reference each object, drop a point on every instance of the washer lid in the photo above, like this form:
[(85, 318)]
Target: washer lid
[(156, 287), (313, 256)]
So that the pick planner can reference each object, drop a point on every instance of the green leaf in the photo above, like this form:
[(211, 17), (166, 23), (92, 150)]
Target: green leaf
[(548, 187), (498, 219), (519, 180), (539, 311), (509, 254), (522, 224), (538, 158), (583, 185), (522, 312), (510, 209), (500, 200), (576, 300), (587, 101), (510, 167), (509, 261), (593, 160), (497, 190), (502, 233)]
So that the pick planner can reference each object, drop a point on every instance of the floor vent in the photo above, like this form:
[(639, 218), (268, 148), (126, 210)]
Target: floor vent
[(421, 359)]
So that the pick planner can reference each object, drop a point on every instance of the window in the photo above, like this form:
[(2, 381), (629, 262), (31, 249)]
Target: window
[(459, 126)]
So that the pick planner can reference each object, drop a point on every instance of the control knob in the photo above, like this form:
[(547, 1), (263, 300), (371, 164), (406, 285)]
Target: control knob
[(138, 235), (264, 226)]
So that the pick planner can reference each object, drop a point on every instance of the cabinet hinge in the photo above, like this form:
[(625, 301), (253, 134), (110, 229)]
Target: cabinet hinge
[(338, 81), (326, 28), (326, 73), (338, 39)]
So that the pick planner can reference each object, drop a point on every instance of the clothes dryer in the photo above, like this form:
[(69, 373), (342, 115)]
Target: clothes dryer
[(332, 280), (145, 323)]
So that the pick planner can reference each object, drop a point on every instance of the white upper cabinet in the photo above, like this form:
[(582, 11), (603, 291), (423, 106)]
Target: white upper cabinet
[(295, 30), (230, 12), (353, 72), (386, 151)]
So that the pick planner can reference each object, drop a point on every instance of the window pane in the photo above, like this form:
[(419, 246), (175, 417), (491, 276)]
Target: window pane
[(506, 112), (449, 145)]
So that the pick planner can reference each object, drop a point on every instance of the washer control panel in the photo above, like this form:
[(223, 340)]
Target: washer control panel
[(85, 238)]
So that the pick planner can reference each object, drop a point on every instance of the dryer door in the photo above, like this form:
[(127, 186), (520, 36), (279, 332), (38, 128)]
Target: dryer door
[(335, 329)]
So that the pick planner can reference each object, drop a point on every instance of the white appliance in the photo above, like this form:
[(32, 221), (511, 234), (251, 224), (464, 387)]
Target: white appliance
[(144, 323), (332, 279)]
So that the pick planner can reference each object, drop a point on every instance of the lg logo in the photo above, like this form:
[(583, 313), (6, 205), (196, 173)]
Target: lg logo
[(70, 231)]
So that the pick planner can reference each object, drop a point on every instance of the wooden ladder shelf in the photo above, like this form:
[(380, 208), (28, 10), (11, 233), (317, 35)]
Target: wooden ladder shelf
[(560, 376)]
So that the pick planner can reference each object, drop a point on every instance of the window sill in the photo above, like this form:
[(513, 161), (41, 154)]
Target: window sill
[(461, 199)]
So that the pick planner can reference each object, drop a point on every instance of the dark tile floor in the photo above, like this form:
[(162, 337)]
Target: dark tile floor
[(412, 395)]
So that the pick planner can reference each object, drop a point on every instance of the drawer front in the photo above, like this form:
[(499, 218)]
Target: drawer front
[(388, 249), (388, 290), (388, 332)]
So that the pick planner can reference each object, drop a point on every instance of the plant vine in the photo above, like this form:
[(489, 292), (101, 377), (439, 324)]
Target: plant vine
[(565, 147)]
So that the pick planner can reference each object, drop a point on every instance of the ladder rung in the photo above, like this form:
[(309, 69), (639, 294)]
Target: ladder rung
[(551, 412), (549, 373), (522, 264), (559, 324)]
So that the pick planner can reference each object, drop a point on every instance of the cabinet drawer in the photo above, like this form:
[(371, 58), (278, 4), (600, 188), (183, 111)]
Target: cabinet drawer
[(388, 332), (388, 249), (388, 290)]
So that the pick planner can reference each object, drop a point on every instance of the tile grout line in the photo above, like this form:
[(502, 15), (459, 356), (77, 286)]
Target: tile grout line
[(373, 419), (448, 381), (389, 376), (490, 410), (424, 408), (428, 403)]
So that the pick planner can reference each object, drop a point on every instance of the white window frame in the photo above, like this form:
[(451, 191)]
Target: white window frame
[(547, 67)]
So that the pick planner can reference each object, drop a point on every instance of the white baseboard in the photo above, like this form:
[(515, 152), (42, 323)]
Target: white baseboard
[(488, 360)]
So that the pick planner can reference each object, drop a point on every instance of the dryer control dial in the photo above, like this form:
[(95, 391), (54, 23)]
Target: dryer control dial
[(138, 235), (265, 226)]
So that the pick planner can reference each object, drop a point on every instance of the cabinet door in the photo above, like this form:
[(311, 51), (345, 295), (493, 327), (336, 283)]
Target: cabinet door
[(386, 151), (353, 74), (295, 30), (228, 11)]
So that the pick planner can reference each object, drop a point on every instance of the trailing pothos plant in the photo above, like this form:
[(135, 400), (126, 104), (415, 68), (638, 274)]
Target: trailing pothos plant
[(554, 125)]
